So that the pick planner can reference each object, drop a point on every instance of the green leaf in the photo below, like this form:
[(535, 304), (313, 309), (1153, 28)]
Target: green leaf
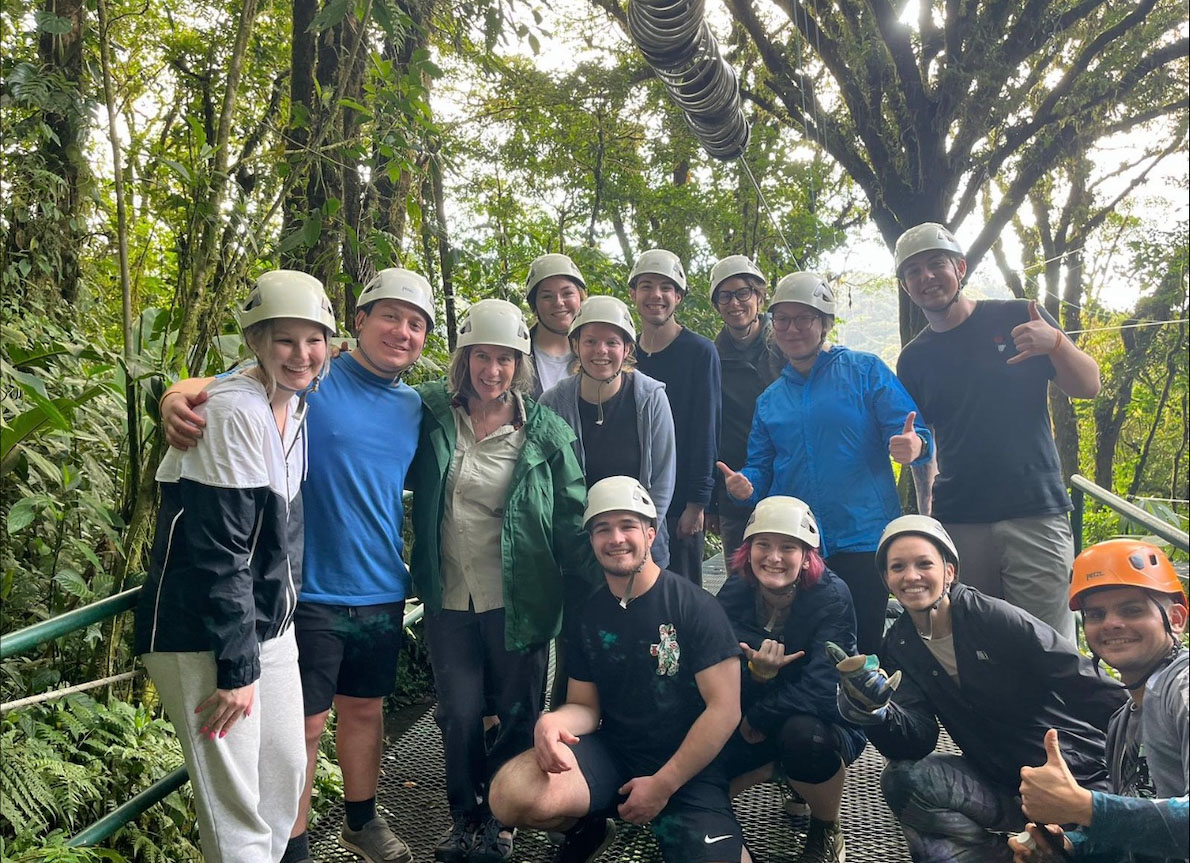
[(332, 13), (73, 583), (48, 22), (22, 513)]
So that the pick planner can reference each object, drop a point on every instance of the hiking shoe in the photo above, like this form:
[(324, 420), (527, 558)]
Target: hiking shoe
[(824, 843), (493, 842), (586, 840), (376, 843), (457, 844)]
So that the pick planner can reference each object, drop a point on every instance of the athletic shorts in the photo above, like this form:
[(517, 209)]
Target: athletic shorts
[(696, 826), (347, 650)]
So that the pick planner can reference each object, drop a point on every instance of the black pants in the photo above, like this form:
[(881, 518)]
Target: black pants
[(733, 518), (868, 595), (685, 553), (468, 657)]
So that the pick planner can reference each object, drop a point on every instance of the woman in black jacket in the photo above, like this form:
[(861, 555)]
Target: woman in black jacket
[(994, 675), (785, 606)]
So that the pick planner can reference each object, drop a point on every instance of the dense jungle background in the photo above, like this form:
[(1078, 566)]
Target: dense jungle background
[(156, 156)]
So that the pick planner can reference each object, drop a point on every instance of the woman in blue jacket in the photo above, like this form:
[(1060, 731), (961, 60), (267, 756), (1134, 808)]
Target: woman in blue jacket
[(213, 622), (498, 549), (824, 432), (785, 606), (621, 418)]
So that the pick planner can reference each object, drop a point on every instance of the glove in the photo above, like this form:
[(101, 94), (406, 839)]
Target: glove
[(864, 689)]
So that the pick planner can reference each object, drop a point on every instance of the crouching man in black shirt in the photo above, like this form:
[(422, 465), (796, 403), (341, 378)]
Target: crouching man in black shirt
[(654, 659)]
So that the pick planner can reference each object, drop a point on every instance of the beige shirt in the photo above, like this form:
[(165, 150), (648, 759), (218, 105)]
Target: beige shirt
[(473, 515), (943, 651)]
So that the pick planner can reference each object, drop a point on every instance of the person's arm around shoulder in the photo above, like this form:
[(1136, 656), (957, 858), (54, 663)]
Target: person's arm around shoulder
[(719, 686), (1075, 372), (179, 421), (563, 727)]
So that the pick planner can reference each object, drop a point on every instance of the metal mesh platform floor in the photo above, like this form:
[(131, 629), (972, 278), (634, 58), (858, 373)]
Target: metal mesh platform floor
[(412, 796)]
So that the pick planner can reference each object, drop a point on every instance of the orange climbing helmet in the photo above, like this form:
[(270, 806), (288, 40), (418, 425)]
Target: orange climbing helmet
[(1124, 563)]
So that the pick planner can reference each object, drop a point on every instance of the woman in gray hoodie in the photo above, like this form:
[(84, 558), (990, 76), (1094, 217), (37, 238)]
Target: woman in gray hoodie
[(621, 417)]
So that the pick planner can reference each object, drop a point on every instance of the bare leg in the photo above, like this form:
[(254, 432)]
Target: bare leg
[(744, 781), (524, 795), (314, 727), (359, 739), (825, 798)]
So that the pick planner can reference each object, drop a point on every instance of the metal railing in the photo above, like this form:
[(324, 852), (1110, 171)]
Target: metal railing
[(1081, 486), (33, 636)]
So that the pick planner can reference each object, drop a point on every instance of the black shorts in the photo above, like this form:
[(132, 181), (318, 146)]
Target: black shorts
[(696, 826), (347, 650)]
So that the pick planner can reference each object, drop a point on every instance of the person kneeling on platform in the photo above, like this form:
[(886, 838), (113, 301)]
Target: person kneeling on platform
[(786, 606), (1134, 616), (995, 676), (653, 694)]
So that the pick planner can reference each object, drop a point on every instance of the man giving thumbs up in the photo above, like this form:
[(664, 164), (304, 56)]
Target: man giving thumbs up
[(980, 374)]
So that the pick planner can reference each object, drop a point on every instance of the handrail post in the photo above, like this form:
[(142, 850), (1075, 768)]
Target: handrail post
[(1076, 517)]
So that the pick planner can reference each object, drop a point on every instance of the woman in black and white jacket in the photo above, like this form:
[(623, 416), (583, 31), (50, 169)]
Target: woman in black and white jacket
[(213, 624)]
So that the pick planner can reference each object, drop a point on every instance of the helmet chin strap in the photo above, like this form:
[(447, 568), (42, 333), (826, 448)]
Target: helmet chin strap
[(928, 636), (599, 393), (628, 588)]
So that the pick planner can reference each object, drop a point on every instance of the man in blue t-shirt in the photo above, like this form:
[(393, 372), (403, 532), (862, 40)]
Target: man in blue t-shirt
[(689, 367), (980, 373), (654, 693), (362, 429)]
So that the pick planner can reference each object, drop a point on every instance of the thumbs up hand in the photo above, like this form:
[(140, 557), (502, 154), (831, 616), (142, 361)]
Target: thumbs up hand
[(1050, 794), (1035, 337), (906, 446), (738, 485), (865, 689)]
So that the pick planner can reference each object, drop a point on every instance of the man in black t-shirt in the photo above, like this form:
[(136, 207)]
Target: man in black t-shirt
[(654, 693), (980, 373)]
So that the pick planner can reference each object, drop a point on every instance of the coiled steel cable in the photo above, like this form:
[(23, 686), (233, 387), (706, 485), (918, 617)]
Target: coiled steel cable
[(677, 42)]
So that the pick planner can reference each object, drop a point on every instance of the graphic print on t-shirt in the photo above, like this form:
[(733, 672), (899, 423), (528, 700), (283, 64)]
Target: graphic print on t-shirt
[(667, 651)]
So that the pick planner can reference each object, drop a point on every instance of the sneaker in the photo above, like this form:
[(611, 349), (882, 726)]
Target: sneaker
[(795, 805), (376, 843), (493, 842), (457, 844), (586, 840), (824, 843)]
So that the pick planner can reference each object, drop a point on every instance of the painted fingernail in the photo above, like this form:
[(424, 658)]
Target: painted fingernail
[(205, 729), (222, 734)]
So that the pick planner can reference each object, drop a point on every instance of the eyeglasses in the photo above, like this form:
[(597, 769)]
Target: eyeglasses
[(801, 322), (722, 298)]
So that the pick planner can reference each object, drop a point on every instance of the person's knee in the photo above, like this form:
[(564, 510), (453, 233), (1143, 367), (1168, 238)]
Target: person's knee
[(511, 796), (358, 710), (315, 725), (809, 750), (898, 782)]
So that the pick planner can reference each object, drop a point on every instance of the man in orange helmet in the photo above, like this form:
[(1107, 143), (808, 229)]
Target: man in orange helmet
[(1134, 613)]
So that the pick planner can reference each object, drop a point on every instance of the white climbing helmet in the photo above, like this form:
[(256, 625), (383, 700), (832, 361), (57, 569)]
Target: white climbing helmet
[(616, 494), (604, 309), (785, 515), (733, 265), (809, 289), (287, 294), (659, 262), (494, 322), (926, 237), (916, 525), (403, 285), (545, 266)]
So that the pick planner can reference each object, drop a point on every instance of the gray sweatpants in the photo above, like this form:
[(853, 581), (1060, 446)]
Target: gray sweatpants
[(247, 784)]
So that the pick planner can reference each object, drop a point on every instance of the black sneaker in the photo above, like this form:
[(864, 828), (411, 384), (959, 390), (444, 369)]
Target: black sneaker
[(493, 842), (457, 844), (586, 840), (824, 843)]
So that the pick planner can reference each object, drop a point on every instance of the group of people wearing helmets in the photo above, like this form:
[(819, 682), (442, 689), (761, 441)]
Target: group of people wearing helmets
[(563, 476)]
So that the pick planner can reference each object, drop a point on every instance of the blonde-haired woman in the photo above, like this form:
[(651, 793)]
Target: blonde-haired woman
[(498, 548), (213, 622)]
